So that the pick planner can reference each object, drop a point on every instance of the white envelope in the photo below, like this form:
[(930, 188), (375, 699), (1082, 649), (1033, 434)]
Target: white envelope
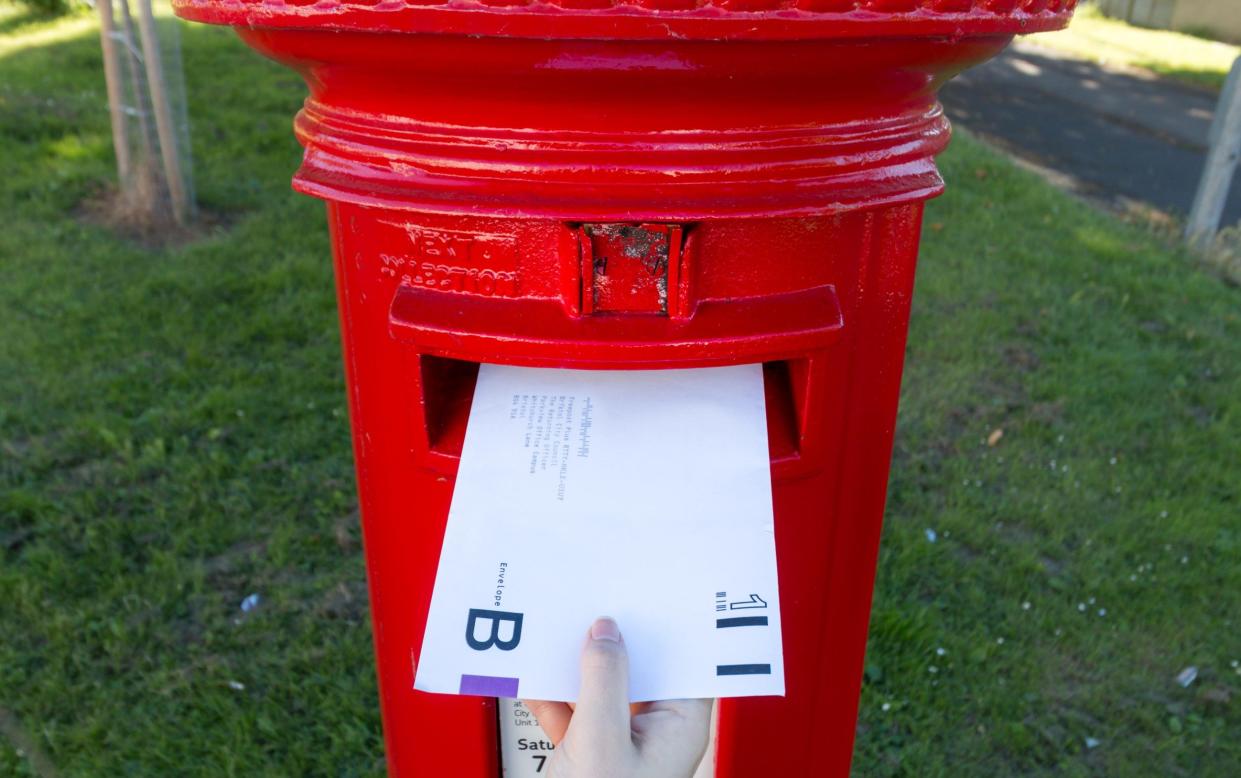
[(640, 495)]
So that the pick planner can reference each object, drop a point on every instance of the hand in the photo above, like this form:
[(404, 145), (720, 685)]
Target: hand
[(604, 737)]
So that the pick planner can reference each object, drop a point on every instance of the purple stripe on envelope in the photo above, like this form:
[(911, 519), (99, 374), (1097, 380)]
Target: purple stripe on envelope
[(488, 686)]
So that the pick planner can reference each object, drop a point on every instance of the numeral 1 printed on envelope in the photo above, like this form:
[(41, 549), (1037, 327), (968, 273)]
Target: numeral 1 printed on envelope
[(750, 603)]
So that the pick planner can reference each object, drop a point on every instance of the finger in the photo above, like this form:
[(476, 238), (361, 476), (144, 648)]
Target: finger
[(685, 715), (602, 713), (553, 717), (673, 734)]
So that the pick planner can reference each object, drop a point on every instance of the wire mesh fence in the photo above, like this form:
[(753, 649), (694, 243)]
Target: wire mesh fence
[(146, 97)]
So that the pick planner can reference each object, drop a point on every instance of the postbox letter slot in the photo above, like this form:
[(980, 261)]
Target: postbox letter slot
[(783, 424), (446, 387), (446, 392)]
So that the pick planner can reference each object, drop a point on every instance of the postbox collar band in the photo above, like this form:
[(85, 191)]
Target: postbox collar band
[(386, 162)]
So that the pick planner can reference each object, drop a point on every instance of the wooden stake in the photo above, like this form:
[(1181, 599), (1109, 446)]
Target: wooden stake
[(112, 77), (145, 190), (163, 113), (1208, 210)]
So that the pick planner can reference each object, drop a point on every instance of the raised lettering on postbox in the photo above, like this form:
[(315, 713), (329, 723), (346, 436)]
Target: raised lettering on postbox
[(465, 263)]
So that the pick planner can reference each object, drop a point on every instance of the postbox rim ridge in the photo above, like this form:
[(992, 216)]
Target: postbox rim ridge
[(646, 19)]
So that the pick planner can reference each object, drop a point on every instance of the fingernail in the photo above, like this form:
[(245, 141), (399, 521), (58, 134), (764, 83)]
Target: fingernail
[(605, 629)]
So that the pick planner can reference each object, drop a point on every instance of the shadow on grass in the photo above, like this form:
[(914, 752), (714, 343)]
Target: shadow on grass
[(1209, 81), (17, 18)]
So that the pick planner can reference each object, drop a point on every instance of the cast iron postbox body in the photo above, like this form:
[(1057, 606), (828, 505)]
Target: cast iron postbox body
[(629, 184)]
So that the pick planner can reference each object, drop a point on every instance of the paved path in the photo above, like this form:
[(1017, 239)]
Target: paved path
[(1112, 134)]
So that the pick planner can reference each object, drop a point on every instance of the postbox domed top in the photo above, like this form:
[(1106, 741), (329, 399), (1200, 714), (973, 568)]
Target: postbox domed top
[(646, 19), (625, 110)]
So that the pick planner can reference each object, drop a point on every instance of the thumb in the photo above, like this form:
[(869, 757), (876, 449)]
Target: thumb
[(601, 717)]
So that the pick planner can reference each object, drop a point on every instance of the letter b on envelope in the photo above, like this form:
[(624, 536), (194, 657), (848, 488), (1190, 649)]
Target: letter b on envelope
[(493, 639)]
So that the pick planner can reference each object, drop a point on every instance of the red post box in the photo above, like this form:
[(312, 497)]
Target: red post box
[(629, 184)]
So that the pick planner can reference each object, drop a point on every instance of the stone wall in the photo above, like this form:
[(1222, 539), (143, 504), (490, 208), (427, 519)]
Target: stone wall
[(1220, 18)]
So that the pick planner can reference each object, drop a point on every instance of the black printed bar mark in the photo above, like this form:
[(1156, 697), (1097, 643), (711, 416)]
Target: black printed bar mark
[(741, 621), (743, 669)]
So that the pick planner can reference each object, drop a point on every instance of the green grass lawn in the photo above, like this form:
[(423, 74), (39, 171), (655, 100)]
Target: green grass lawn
[(173, 439), (1188, 58)]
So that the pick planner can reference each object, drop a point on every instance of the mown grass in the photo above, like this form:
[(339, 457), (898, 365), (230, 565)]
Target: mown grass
[(172, 439), (1094, 551), (1188, 58)]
